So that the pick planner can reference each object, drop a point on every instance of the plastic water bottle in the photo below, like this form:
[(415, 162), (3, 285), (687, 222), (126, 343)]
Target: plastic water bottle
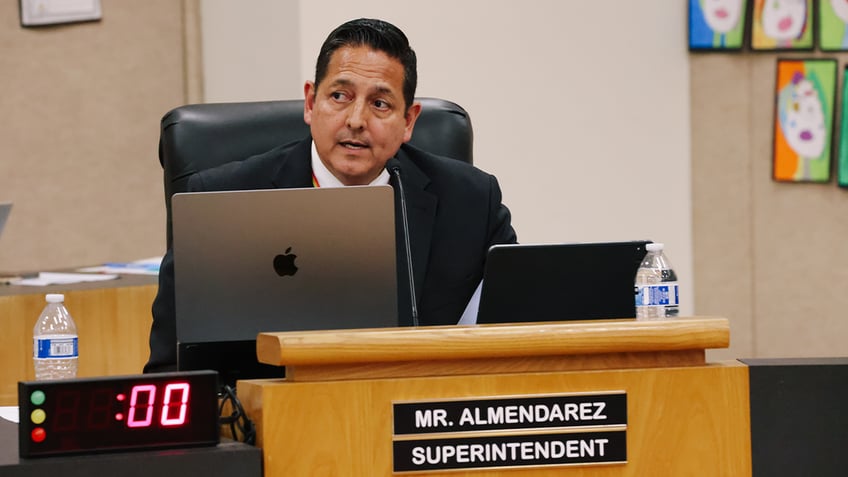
[(656, 286), (55, 349)]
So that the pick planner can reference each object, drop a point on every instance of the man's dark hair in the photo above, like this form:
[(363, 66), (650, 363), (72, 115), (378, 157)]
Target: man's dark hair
[(375, 34)]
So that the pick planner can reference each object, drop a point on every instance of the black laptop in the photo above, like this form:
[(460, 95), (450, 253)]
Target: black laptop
[(560, 282)]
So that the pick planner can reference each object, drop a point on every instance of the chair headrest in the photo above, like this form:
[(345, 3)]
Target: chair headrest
[(195, 137)]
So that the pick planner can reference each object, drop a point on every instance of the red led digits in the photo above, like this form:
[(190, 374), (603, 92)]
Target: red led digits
[(99, 409), (120, 397), (168, 404), (146, 406), (65, 414), (173, 410)]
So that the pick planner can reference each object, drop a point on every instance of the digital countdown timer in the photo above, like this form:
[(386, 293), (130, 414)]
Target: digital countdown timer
[(146, 411)]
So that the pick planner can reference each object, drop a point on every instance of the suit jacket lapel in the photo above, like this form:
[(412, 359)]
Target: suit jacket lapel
[(421, 208), (295, 168)]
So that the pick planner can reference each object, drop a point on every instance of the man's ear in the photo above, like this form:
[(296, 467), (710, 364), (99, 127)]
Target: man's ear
[(308, 101), (411, 116)]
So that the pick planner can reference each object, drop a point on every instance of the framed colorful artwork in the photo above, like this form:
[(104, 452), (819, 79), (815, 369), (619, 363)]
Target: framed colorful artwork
[(842, 154), (717, 25), (805, 93), (782, 25), (833, 25)]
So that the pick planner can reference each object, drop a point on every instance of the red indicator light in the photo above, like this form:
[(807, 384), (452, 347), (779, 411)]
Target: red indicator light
[(121, 397), (119, 417), (38, 434)]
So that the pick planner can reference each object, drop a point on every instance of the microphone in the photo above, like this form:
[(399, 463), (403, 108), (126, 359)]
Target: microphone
[(393, 166)]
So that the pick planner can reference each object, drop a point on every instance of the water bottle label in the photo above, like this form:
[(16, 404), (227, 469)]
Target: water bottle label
[(58, 347), (658, 295)]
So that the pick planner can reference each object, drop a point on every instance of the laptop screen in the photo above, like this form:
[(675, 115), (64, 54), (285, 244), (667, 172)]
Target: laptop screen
[(279, 260), (560, 282)]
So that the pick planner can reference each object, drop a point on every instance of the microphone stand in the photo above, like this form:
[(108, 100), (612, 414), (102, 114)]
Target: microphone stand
[(393, 166)]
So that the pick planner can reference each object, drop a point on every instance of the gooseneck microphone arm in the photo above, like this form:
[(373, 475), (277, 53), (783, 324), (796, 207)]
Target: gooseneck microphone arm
[(393, 166)]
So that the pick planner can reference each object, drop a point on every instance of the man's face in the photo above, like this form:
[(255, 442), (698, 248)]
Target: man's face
[(357, 114)]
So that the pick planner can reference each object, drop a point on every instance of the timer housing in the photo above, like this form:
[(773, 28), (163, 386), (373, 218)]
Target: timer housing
[(148, 411)]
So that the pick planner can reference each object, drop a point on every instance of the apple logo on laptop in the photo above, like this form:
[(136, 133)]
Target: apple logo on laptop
[(284, 263)]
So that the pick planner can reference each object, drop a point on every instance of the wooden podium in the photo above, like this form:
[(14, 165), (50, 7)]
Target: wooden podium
[(599, 398)]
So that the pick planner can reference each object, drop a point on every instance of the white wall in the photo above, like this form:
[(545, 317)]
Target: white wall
[(581, 109), (250, 49)]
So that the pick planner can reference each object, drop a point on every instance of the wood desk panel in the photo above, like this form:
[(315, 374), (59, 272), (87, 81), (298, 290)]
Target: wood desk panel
[(683, 418), (113, 321), (681, 421)]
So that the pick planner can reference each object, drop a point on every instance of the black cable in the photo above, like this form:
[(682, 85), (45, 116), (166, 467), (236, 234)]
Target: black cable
[(241, 427)]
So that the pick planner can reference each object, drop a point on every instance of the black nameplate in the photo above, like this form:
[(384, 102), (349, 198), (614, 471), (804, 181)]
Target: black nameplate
[(605, 447), (509, 414)]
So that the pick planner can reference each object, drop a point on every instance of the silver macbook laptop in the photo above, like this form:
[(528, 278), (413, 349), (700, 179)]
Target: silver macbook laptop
[(279, 260), (560, 282)]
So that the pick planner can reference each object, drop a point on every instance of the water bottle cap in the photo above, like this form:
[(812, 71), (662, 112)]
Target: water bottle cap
[(654, 247), (55, 298)]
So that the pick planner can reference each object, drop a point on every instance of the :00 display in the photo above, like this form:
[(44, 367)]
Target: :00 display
[(131, 412), (143, 402)]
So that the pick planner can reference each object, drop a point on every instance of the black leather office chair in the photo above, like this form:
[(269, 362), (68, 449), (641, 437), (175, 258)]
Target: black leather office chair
[(200, 136)]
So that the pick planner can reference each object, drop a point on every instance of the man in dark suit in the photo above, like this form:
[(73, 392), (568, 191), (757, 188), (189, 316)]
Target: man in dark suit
[(361, 112)]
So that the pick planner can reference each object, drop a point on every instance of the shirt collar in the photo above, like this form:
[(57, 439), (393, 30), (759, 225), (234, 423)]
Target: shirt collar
[(326, 178)]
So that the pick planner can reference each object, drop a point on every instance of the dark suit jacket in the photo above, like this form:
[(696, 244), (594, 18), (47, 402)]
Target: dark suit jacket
[(455, 215)]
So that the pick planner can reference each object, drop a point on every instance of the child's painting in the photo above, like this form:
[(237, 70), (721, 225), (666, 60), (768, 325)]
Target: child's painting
[(782, 25), (833, 25), (803, 123), (842, 164), (717, 24)]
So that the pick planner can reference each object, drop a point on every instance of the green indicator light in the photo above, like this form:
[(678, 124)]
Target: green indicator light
[(37, 398)]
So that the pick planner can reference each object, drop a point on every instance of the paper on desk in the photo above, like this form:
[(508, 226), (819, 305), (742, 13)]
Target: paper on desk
[(9, 413), (147, 266), (469, 316), (53, 278)]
